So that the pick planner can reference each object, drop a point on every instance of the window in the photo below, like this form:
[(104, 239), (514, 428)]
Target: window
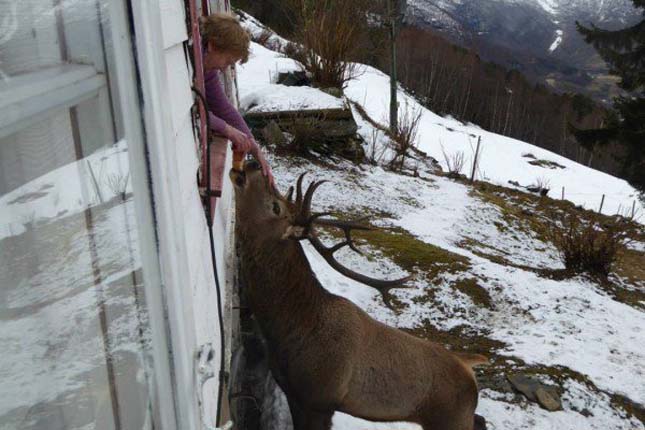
[(74, 326)]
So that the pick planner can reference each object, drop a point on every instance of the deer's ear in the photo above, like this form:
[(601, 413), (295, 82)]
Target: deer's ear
[(238, 178), (294, 232)]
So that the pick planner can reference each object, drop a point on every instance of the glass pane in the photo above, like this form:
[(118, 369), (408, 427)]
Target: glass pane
[(74, 330)]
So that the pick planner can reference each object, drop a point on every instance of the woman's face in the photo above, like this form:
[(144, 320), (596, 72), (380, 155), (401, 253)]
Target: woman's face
[(217, 59)]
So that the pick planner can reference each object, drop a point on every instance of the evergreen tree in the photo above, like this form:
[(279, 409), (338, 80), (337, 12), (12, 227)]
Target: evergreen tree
[(624, 52)]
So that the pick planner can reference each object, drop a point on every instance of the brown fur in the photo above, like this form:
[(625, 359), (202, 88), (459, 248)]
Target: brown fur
[(327, 354)]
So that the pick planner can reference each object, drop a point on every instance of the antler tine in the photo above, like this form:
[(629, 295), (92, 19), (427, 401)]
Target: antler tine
[(327, 253), (289, 195), (306, 204), (347, 227), (299, 189)]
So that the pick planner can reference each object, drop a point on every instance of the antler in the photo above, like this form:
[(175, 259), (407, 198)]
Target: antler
[(304, 218)]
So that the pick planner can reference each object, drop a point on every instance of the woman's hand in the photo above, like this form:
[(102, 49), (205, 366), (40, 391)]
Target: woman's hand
[(257, 152), (241, 142)]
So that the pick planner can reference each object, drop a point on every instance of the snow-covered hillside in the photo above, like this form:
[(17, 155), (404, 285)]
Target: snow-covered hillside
[(478, 274)]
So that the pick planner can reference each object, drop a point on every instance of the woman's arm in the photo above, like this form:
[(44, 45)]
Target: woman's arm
[(228, 122), (222, 112)]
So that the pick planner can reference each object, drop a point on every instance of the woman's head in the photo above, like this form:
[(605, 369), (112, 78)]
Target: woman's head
[(224, 39)]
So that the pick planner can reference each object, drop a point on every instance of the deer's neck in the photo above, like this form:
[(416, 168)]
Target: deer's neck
[(283, 291)]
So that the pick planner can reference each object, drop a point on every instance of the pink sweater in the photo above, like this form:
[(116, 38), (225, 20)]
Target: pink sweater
[(221, 111)]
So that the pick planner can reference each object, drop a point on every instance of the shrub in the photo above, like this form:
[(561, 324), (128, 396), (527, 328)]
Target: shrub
[(327, 31), (455, 162), (542, 186), (376, 150), (588, 247), (404, 138), (264, 37)]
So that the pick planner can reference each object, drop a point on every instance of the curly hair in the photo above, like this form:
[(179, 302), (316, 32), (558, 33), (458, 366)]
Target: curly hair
[(224, 32)]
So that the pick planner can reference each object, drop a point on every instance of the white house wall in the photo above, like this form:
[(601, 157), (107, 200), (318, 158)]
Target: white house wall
[(183, 233)]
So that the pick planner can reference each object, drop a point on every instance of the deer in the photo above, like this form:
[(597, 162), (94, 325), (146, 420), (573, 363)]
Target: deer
[(326, 353)]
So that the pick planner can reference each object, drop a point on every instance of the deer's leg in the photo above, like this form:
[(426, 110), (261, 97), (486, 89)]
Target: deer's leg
[(298, 415), (306, 419), (319, 420)]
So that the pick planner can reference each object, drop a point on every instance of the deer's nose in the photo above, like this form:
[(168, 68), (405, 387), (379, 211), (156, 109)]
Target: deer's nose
[(253, 165)]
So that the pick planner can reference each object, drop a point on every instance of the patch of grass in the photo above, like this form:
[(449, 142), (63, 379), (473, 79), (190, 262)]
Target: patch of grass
[(412, 254), (420, 259), (533, 215), (461, 339), (458, 339), (547, 164), (494, 376), (631, 267), (478, 294)]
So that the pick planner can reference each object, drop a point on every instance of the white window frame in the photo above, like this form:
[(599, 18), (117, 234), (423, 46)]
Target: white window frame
[(29, 97), (163, 391), (172, 252)]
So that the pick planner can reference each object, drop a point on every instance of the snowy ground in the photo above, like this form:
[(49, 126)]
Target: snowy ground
[(538, 321), (72, 305)]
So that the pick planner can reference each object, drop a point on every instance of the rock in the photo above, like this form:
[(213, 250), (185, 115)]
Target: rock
[(525, 385), (517, 184), (323, 131), (294, 79), (273, 134), (548, 398), (545, 395)]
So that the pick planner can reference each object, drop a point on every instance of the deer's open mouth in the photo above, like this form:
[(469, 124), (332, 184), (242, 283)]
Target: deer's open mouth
[(238, 178)]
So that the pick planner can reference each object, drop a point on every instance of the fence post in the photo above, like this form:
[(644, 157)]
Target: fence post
[(633, 209), (562, 193), (472, 175), (602, 201)]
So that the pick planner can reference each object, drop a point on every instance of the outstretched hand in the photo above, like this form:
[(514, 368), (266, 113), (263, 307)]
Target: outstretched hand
[(257, 152), (244, 143), (241, 142)]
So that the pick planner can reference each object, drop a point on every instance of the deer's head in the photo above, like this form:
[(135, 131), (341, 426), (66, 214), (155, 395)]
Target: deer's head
[(260, 207), (266, 215)]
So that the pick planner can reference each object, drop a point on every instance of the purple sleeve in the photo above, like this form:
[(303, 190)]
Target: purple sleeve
[(221, 111)]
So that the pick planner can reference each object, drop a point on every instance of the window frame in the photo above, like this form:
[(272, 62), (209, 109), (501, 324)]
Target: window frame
[(30, 97), (131, 79)]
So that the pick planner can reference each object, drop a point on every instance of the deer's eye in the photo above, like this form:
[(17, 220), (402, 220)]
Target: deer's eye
[(276, 208)]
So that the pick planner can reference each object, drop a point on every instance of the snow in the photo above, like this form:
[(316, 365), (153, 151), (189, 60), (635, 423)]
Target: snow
[(61, 273), (283, 98), (530, 416), (557, 41), (551, 6), (42, 199), (503, 157), (570, 323)]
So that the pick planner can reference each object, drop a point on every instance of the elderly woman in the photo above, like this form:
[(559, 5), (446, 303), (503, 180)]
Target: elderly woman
[(225, 43)]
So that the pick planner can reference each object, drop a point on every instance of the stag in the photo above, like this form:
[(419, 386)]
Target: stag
[(324, 352)]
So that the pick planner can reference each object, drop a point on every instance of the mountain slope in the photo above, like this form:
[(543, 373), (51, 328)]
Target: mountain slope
[(537, 37), (478, 261)]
